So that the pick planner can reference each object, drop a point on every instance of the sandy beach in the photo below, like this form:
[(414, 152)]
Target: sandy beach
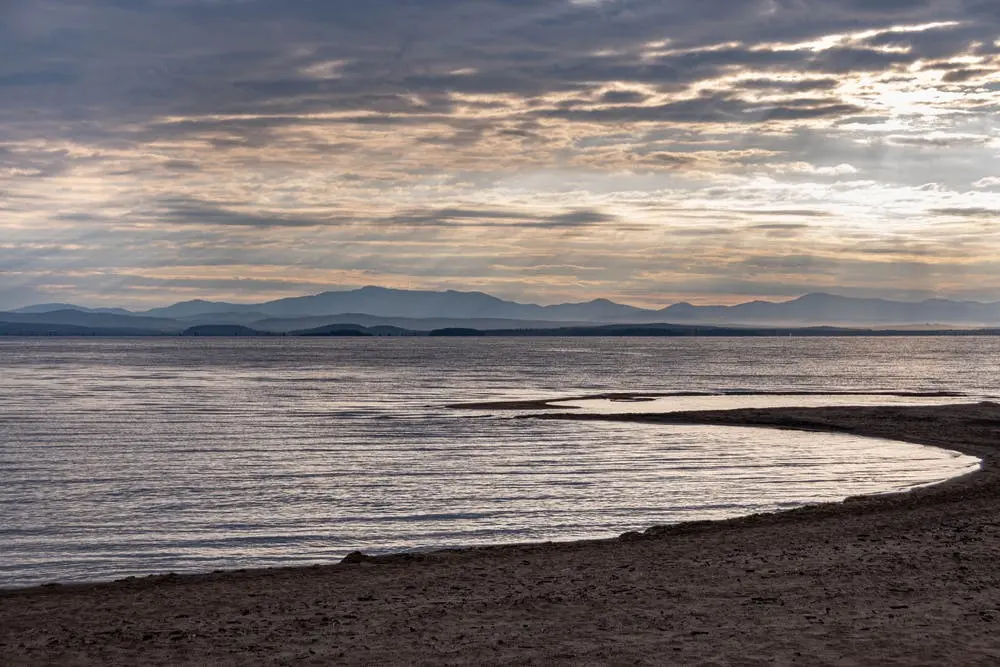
[(908, 579)]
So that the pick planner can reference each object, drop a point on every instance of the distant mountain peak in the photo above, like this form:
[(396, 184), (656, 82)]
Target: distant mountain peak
[(56, 307), (453, 307)]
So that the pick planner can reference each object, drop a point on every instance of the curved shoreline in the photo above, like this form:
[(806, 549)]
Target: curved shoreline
[(639, 397), (883, 578)]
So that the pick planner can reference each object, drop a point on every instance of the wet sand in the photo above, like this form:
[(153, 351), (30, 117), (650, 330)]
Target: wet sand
[(904, 579)]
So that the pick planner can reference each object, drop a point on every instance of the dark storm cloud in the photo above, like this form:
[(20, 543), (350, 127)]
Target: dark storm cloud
[(145, 58), (845, 60), (456, 217), (963, 75), (184, 211), (181, 165), (971, 212), (708, 108), (899, 251), (34, 163), (669, 159), (938, 142), (225, 128), (623, 97), (934, 44), (38, 78), (792, 86), (884, 6), (580, 218), (447, 216)]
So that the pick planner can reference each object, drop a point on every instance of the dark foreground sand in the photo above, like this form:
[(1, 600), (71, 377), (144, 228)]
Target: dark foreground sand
[(904, 579)]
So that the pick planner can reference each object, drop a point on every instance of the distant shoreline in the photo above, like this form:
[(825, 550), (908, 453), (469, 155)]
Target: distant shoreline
[(8, 330), (907, 577), (644, 396)]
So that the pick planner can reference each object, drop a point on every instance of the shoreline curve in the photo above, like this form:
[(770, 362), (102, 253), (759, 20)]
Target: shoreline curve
[(905, 577)]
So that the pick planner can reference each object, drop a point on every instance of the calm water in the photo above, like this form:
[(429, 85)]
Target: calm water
[(122, 457)]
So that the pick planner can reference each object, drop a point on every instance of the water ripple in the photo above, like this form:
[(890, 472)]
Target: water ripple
[(131, 457)]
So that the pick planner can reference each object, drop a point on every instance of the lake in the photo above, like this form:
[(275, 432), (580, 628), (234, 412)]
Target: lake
[(123, 457)]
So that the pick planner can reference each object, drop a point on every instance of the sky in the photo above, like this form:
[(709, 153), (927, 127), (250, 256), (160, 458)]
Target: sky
[(711, 151)]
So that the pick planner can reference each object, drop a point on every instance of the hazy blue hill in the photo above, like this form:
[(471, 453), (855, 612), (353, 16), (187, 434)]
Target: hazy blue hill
[(388, 303), (383, 302), (335, 330), (701, 330), (197, 307), (686, 312), (820, 308), (46, 308), (653, 329), (395, 303), (598, 310), (348, 328), (42, 329), (462, 332), (388, 330), (247, 319), (94, 319), (411, 323), (427, 311), (223, 330), (50, 307), (878, 310)]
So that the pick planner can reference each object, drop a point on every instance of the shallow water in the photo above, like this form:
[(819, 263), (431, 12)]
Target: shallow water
[(127, 457)]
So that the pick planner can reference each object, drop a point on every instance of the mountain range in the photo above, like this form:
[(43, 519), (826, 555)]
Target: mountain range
[(427, 310)]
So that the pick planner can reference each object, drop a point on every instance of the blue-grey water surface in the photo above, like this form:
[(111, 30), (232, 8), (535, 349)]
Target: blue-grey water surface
[(126, 457)]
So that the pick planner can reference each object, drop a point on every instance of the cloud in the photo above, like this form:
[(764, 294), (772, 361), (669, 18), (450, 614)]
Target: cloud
[(37, 78), (789, 85), (971, 212), (842, 169), (799, 213), (451, 217), (963, 75), (623, 97), (300, 142), (940, 141), (987, 182), (179, 210), (707, 108), (669, 159)]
